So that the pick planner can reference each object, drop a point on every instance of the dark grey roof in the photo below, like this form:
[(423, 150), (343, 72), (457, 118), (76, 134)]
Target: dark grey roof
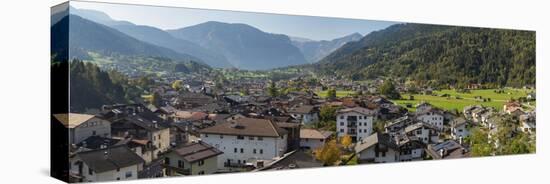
[(193, 152), (95, 142), (302, 109), (111, 158)]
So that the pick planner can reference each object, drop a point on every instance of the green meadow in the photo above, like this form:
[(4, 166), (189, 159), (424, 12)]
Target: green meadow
[(457, 100)]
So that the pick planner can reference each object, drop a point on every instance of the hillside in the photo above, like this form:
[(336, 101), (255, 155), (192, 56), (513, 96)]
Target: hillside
[(316, 50), (89, 36), (244, 46), (91, 87), (438, 55)]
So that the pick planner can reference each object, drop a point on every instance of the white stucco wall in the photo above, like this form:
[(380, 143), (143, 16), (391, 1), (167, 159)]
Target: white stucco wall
[(272, 147)]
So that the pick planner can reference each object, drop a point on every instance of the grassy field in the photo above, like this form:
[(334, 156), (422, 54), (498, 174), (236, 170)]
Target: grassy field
[(465, 99), (324, 94)]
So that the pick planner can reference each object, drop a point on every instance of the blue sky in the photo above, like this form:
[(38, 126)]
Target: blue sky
[(316, 28)]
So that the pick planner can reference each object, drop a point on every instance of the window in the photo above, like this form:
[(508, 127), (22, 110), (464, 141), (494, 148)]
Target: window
[(167, 161), (242, 150), (181, 164), (360, 117), (360, 124), (383, 154), (240, 137), (261, 151), (359, 130), (205, 135), (93, 132), (235, 150), (159, 137), (364, 117), (342, 117), (128, 174), (254, 151), (341, 123), (117, 169), (201, 162), (201, 173), (342, 130), (90, 171), (250, 138), (260, 138), (221, 136), (117, 178)]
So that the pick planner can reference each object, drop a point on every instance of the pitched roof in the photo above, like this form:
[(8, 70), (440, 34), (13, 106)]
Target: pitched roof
[(72, 120), (417, 126), (314, 134), (247, 126), (373, 140), (110, 158), (302, 109), (458, 121), (359, 110), (193, 152)]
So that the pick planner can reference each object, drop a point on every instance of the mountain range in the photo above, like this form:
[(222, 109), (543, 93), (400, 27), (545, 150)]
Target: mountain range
[(217, 44), (244, 46), (316, 50), (438, 55)]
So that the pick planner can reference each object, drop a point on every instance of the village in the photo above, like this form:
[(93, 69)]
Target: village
[(194, 126)]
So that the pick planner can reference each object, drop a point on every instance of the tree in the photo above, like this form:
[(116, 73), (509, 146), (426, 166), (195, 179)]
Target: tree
[(328, 153), (346, 141), (331, 93), (272, 90), (327, 113), (479, 143), (177, 85), (388, 89)]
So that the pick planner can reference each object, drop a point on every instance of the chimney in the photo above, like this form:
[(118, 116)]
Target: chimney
[(106, 154), (441, 153)]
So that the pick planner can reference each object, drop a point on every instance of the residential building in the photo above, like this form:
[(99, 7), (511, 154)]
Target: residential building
[(425, 132), (377, 148), (196, 158), (459, 129), (433, 117), (246, 141), (447, 150), (82, 126), (306, 114), (107, 164), (312, 138), (356, 122)]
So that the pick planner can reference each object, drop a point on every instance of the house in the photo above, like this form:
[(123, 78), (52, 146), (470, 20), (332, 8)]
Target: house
[(433, 117), (425, 132), (528, 122), (144, 128), (305, 113), (423, 107), (377, 148), (246, 140), (459, 129), (356, 122), (82, 126), (196, 158), (447, 150), (107, 164), (467, 111), (511, 106), (396, 126), (312, 138), (410, 148)]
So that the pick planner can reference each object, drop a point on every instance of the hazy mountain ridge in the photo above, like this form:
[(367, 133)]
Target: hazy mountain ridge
[(244, 46), (316, 50)]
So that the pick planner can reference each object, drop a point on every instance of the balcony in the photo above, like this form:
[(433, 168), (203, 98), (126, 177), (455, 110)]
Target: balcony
[(178, 170)]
